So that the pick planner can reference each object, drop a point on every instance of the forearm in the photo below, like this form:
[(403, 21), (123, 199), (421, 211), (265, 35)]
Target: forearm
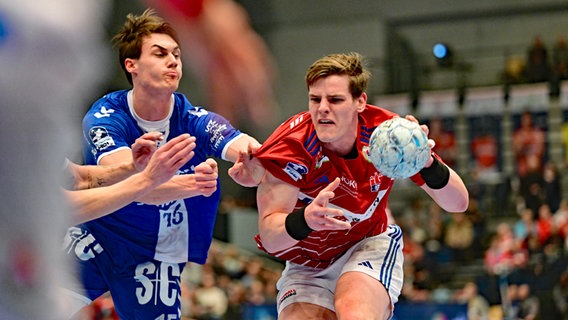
[(90, 204), (273, 210), (272, 230), (179, 187), (89, 177), (453, 197)]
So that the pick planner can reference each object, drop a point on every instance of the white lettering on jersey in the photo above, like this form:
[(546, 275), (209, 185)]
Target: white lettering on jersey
[(216, 130), (82, 243), (159, 280), (104, 112), (173, 235), (351, 183)]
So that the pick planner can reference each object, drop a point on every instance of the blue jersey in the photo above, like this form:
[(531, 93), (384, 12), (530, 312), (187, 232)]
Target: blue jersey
[(176, 231)]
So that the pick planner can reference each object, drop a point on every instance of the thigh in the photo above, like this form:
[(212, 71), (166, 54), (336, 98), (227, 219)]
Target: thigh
[(306, 311), (372, 276), (360, 296), (306, 288)]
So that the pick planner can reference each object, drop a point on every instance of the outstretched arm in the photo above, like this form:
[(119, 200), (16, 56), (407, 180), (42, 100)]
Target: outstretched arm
[(91, 176), (443, 184), (453, 197), (89, 204)]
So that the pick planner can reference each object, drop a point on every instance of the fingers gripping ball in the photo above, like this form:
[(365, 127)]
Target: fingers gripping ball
[(398, 148)]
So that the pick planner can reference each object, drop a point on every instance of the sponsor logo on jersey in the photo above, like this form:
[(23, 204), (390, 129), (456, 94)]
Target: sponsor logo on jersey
[(100, 138), (104, 112), (349, 182), (295, 170), (215, 130), (288, 294)]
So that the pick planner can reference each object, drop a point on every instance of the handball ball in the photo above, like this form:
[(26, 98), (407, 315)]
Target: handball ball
[(398, 148)]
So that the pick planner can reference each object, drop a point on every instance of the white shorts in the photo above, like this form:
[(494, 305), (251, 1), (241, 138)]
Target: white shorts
[(379, 257)]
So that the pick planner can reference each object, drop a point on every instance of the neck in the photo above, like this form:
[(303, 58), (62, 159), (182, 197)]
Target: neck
[(151, 107)]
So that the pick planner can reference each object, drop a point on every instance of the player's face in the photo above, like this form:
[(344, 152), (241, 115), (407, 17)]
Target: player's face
[(334, 112), (159, 66)]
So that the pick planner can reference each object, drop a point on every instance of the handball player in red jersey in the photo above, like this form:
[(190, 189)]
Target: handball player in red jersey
[(323, 206)]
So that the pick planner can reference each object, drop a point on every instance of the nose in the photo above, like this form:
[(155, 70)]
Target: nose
[(172, 60), (323, 106)]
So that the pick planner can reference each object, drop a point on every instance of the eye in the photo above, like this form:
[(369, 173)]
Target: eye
[(315, 99)]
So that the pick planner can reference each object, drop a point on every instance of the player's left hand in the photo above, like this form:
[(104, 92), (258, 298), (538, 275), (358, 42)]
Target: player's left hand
[(247, 170), (319, 216), (431, 142)]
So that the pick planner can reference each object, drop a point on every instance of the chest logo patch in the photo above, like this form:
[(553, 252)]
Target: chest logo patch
[(295, 170)]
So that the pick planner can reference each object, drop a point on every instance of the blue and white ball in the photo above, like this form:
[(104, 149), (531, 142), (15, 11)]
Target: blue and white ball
[(398, 148)]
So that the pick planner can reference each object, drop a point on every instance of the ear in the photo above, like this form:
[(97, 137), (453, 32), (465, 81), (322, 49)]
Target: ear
[(130, 65), (362, 102)]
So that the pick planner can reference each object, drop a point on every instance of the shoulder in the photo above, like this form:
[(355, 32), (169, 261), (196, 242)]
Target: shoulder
[(373, 116), (297, 131), (109, 104)]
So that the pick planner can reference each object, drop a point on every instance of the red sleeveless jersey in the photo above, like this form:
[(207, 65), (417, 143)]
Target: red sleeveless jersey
[(294, 154)]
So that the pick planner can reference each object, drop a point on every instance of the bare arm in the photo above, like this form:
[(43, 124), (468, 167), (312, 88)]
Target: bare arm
[(89, 204), (202, 182), (92, 176), (454, 197), (276, 199)]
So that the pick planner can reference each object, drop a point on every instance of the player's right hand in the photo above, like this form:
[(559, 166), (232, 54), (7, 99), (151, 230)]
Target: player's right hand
[(206, 174), (167, 160), (319, 216)]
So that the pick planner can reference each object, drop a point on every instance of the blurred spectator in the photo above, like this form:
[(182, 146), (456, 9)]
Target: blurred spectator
[(211, 301), (477, 305), (485, 172), (479, 221), (545, 226), (188, 303), (485, 151), (525, 305), (504, 255), (528, 146), (552, 186), (236, 299), (560, 59), (459, 237), (525, 225), (538, 67), (445, 141), (561, 218), (560, 295)]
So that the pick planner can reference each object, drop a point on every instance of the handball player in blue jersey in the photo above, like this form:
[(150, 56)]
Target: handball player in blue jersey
[(139, 251)]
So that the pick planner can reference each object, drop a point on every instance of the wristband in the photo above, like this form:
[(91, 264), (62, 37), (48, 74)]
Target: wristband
[(437, 175), (296, 225)]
